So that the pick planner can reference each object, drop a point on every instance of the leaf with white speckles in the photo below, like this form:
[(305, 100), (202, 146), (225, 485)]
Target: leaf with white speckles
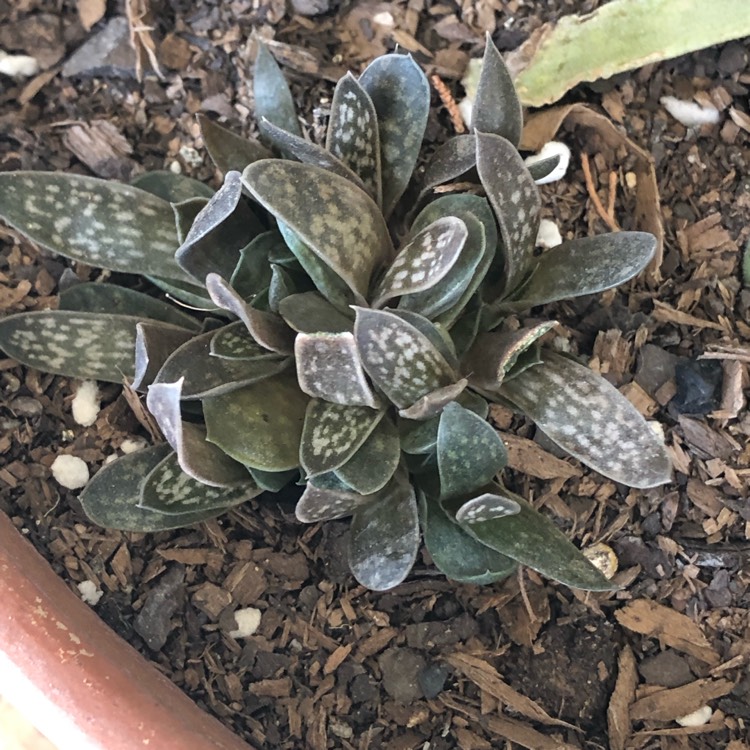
[(486, 507), (352, 133), (469, 451), (433, 332), (333, 433), (259, 425), (341, 224), (424, 261), (82, 345), (590, 419), (497, 108), (282, 285), (199, 459), (235, 342), (451, 159), (227, 150), (328, 500), (384, 537), (533, 540), (434, 402), (172, 187), (154, 345), (98, 222), (373, 465), (328, 367), (455, 553), (273, 99), (169, 490), (515, 200), (401, 95), (399, 358), (310, 312), (111, 498)]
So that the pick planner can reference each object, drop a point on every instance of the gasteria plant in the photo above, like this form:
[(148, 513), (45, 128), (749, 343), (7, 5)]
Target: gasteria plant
[(321, 354)]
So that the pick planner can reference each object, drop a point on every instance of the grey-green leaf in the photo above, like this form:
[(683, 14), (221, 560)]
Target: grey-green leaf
[(590, 419), (154, 344), (434, 402), (172, 187), (451, 159), (235, 342), (487, 507), (310, 312), (273, 99), (327, 503), (227, 150)]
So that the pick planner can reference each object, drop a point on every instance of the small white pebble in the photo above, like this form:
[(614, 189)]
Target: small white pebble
[(110, 458), (384, 19), (690, 114), (553, 148), (131, 445), (631, 179), (89, 593), (698, 718), (18, 66), (175, 167), (70, 471), (86, 403), (548, 234), (191, 156), (466, 108), (248, 621)]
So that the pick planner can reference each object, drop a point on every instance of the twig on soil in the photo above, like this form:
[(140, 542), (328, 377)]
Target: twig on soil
[(449, 103), (605, 215), (525, 596)]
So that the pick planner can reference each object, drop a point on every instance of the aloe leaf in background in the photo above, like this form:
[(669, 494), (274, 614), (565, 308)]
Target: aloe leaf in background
[(273, 99), (227, 150), (590, 419)]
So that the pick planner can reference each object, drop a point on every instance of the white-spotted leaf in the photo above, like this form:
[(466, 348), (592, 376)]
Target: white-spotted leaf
[(325, 503), (310, 312), (373, 465), (227, 150), (154, 344), (273, 99), (235, 342), (486, 507), (434, 402), (451, 159)]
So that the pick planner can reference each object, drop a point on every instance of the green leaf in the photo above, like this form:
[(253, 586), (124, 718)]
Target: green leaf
[(326, 503), (385, 537), (373, 465), (92, 346), (111, 498), (98, 222), (253, 272), (273, 481), (234, 342), (434, 402), (310, 312), (424, 261), (515, 200), (154, 344), (399, 358), (273, 99), (541, 169), (433, 332), (171, 187), (590, 419), (469, 451), (119, 300), (169, 490), (333, 433), (227, 150), (586, 266), (192, 296), (282, 285), (533, 540), (259, 425), (496, 106), (451, 159), (341, 224), (486, 507), (352, 133), (401, 95), (328, 367), (455, 553)]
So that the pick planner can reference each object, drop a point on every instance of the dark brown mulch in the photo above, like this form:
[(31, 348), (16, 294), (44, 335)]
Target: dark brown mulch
[(523, 664)]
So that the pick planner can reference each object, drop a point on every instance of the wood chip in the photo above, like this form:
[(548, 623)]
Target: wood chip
[(670, 704), (618, 711), (280, 688), (523, 734), (91, 12), (335, 660), (666, 314), (527, 456)]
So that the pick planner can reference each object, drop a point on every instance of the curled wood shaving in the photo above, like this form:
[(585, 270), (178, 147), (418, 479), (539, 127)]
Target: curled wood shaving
[(449, 103)]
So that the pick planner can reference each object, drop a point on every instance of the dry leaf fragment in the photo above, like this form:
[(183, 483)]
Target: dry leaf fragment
[(618, 711)]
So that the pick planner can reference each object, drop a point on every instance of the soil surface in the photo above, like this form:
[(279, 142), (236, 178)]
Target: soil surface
[(431, 664)]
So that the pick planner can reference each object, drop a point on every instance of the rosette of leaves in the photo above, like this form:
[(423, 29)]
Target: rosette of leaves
[(335, 335)]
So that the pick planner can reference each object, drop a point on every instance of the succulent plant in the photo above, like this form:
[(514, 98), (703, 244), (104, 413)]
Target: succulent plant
[(335, 334)]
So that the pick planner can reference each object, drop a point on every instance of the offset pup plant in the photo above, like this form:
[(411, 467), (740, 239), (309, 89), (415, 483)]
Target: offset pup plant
[(336, 335)]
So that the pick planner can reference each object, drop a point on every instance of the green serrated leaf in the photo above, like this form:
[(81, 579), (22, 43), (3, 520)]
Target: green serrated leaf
[(333, 433), (154, 344), (273, 99), (590, 419), (99, 222), (469, 451), (259, 425), (376, 461), (310, 312), (227, 150), (401, 95), (172, 187)]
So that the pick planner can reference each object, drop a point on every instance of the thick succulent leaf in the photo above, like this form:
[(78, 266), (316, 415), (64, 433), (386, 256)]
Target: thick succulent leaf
[(401, 95), (515, 200), (497, 108), (294, 147), (385, 537), (119, 300), (282, 285), (530, 357), (400, 359), (227, 150), (325, 503), (590, 419), (333, 433), (234, 342), (154, 344), (198, 458), (259, 425), (424, 261), (435, 334), (111, 498), (451, 159), (172, 187), (80, 345), (273, 481), (252, 274), (310, 312), (169, 490), (352, 134), (494, 354), (469, 451), (189, 294), (185, 213), (373, 465), (273, 99), (210, 376), (487, 507), (541, 169), (268, 329), (340, 223), (586, 266), (533, 540), (455, 553), (433, 403), (328, 367), (99, 222), (466, 328)]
